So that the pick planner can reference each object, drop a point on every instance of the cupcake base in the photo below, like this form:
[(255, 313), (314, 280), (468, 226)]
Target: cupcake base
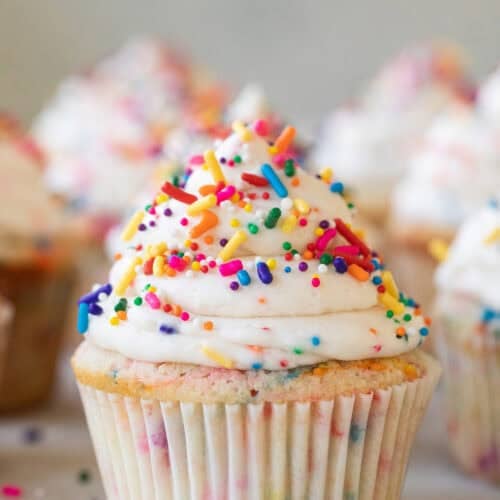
[(348, 446), (39, 297)]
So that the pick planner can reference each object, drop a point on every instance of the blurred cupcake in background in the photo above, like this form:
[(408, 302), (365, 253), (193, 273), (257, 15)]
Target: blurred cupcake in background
[(453, 173), (488, 99), (468, 319), (37, 252), (249, 343), (5, 323), (366, 144)]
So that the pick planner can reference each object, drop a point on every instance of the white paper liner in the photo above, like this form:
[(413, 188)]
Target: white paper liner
[(351, 448), (472, 395)]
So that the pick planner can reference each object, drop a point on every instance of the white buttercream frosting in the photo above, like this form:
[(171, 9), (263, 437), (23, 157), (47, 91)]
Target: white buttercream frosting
[(452, 174), (473, 264), (283, 310)]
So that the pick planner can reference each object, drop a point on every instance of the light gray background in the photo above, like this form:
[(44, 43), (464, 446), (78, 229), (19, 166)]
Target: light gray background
[(308, 54)]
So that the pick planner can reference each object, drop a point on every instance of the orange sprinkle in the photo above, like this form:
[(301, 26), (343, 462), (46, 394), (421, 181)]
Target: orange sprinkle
[(417, 311), (208, 221), (400, 331), (255, 348), (176, 310), (186, 259), (262, 300), (122, 315), (428, 321), (242, 204), (170, 272), (208, 325), (373, 331), (358, 272), (295, 182), (319, 371), (285, 139), (118, 256), (208, 239), (411, 372), (207, 189), (308, 255)]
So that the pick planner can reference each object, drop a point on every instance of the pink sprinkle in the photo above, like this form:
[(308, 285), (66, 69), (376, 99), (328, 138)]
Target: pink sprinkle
[(377, 347), (261, 128), (197, 160), (184, 316), (11, 490), (322, 241), (212, 263), (175, 262), (231, 267), (153, 300), (348, 249), (184, 221), (280, 158), (225, 194)]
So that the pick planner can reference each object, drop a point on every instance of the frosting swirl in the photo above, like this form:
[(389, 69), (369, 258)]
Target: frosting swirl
[(252, 265)]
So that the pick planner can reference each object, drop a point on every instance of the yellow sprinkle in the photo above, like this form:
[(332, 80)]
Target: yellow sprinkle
[(128, 277), (244, 133), (214, 166), (248, 207), (204, 203), (326, 174), (161, 198), (195, 266), (493, 236), (319, 231), (217, 357), (155, 250), (114, 320), (234, 222), (152, 289), (271, 263), (289, 224), (360, 233), (133, 224), (438, 249), (235, 198), (389, 302), (273, 150), (390, 284), (231, 246), (158, 265), (301, 205)]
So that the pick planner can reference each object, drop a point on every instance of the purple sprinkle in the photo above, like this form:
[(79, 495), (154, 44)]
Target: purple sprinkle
[(32, 435), (303, 266), (223, 242), (152, 223), (324, 224), (94, 296), (234, 285), (95, 309), (169, 330), (222, 160), (340, 265), (142, 227), (167, 212)]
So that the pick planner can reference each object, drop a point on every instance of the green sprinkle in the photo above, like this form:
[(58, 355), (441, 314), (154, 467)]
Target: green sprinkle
[(389, 314), (253, 228), (350, 206), (272, 218), (84, 476), (147, 207), (138, 301), (294, 252), (326, 259), (147, 286), (287, 245), (237, 159), (298, 350), (407, 317), (289, 168), (121, 305), (176, 180)]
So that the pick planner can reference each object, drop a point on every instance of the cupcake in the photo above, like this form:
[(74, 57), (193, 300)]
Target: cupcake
[(488, 99), (249, 342), (36, 272), (468, 315), (366, 144)]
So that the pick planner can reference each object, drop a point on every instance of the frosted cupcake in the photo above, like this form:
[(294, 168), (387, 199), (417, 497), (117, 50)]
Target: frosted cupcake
[(468, 312), (36, 272), (250, 343), (450, 177), (367, 144), (489, 99)]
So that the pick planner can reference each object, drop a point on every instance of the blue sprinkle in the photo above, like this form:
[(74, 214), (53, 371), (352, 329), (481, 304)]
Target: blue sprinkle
[(256, 366), (95, 309), (273, 179), (83, 318), (243, 277), (377, 280), (315, 341), (376, 264), (488, 315), (424, 331), (493, 203), (355, 433), (93, 296), (337, 187), (287, 269), (264, 273), (169, 330), (340, 265)]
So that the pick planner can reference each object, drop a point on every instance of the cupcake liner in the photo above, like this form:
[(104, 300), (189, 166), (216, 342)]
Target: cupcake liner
[(39, 297), (353, 447), (472, 375)]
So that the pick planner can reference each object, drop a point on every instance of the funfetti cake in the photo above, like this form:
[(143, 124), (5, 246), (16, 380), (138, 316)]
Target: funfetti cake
[(246, 300)]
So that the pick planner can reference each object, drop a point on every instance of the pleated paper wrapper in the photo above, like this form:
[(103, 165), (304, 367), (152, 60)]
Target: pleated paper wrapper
[(352, 447)]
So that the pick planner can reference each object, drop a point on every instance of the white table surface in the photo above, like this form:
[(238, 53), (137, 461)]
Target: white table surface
[(50, 467)]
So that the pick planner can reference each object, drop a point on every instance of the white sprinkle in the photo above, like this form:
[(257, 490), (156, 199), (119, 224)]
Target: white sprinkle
[(322, 269), (189, 273), (286, 204), (297, 256)]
